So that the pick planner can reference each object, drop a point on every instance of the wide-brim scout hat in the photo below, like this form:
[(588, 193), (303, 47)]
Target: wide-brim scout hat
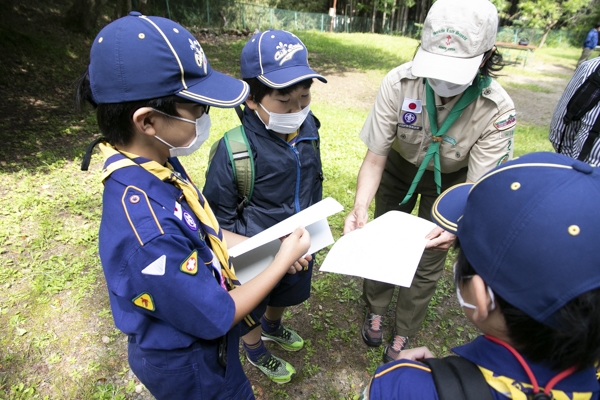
[(530, 228), (276, 58), (139, 57), (456, 34)]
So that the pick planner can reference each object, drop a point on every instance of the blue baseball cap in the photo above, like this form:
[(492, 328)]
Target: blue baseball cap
[(530, 228), (276, 58), (139, 57)]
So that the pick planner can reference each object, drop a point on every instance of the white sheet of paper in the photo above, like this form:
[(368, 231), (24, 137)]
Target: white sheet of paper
[(387, 249), (253, 255)]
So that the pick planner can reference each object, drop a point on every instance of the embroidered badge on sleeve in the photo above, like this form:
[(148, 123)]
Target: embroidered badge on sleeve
[(506, 121), (190, 264), (145, 301)]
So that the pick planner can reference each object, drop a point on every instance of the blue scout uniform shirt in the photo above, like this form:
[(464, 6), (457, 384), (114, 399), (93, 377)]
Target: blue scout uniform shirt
[(288, 178), (409, 380), (163, 288)]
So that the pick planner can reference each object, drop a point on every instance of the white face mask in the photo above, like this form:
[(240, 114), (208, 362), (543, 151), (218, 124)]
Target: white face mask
[(447, 89), (202, 132), (285, 123), (464, 304)]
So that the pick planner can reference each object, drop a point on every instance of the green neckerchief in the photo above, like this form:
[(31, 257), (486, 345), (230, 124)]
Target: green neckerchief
[(468, 96)]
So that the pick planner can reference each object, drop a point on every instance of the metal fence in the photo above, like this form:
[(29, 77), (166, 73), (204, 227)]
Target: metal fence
[(229, 14), (235, 15)]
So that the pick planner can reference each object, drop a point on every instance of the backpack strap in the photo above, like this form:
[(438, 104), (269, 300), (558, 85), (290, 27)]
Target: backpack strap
[(588, 145), (584, 99), (457, 378), (242, 161)]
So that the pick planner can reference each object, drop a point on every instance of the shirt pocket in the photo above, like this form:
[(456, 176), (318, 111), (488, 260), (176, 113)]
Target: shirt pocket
[(410, 128), (453, 152)]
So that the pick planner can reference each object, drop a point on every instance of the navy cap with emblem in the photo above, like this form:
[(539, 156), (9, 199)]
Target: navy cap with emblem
[(139, 57), (530, 228), (277, 58)]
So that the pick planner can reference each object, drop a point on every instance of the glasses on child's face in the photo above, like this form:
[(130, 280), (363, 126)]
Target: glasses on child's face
[(459, 297)]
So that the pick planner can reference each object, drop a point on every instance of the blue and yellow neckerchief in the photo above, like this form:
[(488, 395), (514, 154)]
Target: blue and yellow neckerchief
[(517, 390), (192, 195)]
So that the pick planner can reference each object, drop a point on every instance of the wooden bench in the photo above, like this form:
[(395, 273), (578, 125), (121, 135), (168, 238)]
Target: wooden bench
[(514, 53)]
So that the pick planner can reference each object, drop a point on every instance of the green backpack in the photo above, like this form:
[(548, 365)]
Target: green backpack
[(242, 162)]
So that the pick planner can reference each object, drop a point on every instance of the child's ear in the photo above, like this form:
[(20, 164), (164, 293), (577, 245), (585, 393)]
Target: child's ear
[(250, 103), (144, 119), (482, 298)]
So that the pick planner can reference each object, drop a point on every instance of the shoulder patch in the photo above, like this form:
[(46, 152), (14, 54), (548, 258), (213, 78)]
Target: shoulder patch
[(190, 264), (145, 301), (506, 121)]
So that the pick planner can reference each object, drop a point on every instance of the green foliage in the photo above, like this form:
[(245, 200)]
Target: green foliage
[(545, 14)]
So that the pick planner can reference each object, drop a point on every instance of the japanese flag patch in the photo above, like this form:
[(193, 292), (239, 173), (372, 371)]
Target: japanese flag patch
[(178, 211), (412, 105)]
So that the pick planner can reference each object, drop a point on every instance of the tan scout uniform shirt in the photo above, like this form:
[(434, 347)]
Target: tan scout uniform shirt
[(480, 139)]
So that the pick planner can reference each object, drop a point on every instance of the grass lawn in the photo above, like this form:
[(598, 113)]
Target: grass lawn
[(57, 337)]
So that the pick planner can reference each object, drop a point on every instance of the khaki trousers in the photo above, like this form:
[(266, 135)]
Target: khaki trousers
[(585, 54), (412, 303)]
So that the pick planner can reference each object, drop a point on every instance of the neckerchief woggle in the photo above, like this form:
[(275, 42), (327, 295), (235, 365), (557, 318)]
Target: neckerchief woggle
[(468, 96), (192, 195)]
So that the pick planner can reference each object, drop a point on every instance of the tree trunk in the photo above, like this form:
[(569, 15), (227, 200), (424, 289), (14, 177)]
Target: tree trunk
[(404, 18), (373, 17), (83, 15), (393, 16), (423, 11), (123, 8), (384, 17)]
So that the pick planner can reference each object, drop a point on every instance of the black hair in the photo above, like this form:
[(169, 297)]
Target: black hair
[(597, 25), (115, 119), (493, 63), (574, 341), (259, 90)]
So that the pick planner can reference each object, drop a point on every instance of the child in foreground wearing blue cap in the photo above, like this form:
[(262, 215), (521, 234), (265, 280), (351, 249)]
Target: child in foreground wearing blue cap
[(283, 136), (527, 275), (171, 285)]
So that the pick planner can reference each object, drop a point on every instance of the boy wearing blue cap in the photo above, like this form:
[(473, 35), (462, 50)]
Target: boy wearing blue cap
[(283, 137), (171, 285), (527, 275)]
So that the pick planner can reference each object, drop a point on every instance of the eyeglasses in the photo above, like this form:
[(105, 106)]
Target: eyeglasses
[(460, 299)]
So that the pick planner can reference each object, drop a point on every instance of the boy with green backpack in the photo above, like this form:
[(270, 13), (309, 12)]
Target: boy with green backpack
[(267, 170)]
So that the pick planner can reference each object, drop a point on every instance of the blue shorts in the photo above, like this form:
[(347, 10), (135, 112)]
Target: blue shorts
[(192, 373)]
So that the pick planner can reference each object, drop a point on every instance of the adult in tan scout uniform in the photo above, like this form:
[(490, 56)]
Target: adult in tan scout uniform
[(437, 121)]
